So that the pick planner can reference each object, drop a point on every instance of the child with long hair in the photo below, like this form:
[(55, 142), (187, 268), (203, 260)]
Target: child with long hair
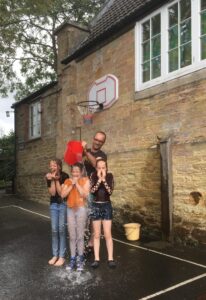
[(55, 178), (101, 186), (76, 189)]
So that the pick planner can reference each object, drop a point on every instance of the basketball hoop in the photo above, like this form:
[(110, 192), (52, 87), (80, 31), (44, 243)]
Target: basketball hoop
[(87, 110)]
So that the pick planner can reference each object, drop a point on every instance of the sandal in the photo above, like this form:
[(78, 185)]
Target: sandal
[(95, 264), (112, 264)]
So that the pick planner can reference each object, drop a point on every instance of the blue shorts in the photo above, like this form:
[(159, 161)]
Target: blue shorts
[(101, 211)]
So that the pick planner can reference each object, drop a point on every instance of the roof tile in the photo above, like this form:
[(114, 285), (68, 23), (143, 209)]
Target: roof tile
[(113, 16)]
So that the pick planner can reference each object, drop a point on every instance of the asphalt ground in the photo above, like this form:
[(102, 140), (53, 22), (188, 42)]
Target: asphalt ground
[(145, 270)]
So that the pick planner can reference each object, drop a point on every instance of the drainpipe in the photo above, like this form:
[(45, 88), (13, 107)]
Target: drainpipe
[(166, 188)]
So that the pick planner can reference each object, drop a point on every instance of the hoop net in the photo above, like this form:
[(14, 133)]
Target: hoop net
[(87, 110)]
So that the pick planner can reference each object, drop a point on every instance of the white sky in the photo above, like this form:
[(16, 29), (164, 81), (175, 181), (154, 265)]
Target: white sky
[(6, 124)]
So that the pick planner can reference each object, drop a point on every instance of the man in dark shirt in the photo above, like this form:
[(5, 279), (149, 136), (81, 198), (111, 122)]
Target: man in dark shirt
[(91, 154)]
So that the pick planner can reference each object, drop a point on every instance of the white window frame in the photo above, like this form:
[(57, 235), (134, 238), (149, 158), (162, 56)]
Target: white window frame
[(35, 120), (197, 63)]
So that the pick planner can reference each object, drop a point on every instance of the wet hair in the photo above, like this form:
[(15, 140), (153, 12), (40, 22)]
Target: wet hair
[(101, 159), (103, 133), (58, 162), (196, 196), (78, 165)]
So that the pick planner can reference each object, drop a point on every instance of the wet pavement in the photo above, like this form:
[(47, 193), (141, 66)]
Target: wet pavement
[(145, 270)]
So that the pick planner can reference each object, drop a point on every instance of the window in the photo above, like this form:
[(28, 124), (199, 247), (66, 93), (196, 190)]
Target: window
[(170, 42), (151, 48), (203, 29), (35, 120), (179, 31)]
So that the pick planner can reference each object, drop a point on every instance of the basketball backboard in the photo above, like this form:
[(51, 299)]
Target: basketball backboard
[(104, 90)]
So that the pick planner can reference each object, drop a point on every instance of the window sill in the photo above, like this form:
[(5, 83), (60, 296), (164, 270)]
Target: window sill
[(169, 85), (30, 140)]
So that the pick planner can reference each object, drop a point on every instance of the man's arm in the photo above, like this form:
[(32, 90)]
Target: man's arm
[(92, 158)]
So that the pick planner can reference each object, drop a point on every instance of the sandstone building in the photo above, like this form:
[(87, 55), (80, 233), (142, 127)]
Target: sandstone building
[(156, 130)]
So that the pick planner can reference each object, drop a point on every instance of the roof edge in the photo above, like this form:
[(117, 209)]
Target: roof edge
[(72, 24), (104, 8), (137, 15), (35, 94)]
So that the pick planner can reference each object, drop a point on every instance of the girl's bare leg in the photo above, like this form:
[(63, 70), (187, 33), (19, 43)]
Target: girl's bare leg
[(97, 232), (107, 226)]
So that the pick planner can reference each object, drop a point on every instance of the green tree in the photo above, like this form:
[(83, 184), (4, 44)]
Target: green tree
[(7, 157), (28, 50)]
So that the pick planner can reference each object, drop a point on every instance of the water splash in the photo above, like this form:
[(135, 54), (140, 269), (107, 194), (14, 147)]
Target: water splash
[(74, 277), (74, 284)]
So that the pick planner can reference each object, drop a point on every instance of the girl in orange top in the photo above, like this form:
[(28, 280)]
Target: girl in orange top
[(76, 189)]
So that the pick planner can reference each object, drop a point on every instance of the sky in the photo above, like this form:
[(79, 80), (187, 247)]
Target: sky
[(6, 123)]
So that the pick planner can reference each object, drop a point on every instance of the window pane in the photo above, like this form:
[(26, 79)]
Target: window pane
[(173, 15), (185, 9), (156, 25), (203, 23), (185, 32), (156, 46), (146, 30), (146, 51), (156, 67), (203, 47), (35, 120), (173, 37), (203, 4), (185, 55), (173, 60), (38, 129), (146, 71)]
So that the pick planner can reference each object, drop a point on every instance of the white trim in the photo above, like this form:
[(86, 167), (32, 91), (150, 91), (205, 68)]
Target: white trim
[(197, 63), (30, 211), (196, 32), (6, 206), (161, 253), (174, 287), (37, 121), (137, 56), (122, 242), (164, 42), (146, 249)]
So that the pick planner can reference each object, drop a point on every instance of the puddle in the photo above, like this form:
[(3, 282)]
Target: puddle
[(74, 277)]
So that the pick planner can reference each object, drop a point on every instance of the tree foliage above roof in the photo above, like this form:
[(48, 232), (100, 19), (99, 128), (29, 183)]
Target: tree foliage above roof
[(28, 50)]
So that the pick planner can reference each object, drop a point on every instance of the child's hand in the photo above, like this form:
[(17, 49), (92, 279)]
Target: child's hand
[(103, 174), (49, 176), (99, 174), (56, 176), (74, 181)]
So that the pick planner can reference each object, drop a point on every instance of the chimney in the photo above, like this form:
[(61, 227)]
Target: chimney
[(69, 36)]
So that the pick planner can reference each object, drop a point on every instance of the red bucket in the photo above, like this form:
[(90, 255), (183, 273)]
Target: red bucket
[(73, 152)]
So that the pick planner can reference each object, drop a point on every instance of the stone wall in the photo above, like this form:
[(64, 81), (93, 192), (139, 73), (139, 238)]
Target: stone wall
[(134, 128), (134, 125), (32, 156), (189, 162)]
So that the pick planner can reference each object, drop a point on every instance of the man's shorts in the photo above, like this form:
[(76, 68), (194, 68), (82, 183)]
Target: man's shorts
[(101, 211)]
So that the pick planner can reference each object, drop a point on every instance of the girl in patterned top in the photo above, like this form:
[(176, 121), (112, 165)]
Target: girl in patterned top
[(101, 186)]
